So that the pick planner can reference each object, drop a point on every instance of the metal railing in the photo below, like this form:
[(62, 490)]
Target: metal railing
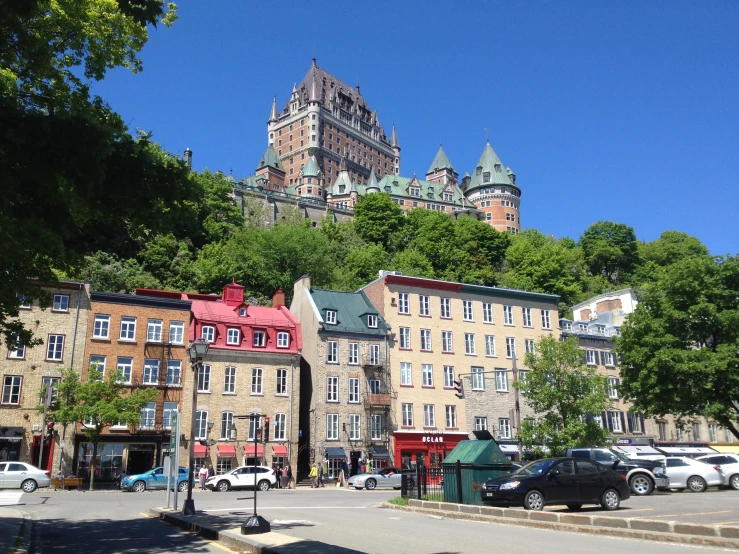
[(427, 483)]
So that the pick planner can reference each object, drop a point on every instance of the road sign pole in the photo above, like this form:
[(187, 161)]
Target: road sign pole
[(176, 431)]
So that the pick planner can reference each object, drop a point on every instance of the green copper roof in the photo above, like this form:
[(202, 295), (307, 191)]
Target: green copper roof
[(342, 179), (352, 309), (373, 185), (489, 170), (311, 168), (441, 161), (402, 186), (271, 159)]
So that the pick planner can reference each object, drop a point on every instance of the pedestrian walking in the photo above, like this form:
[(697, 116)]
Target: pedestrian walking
[(364, 467), (202, 476), (313, 477), (289, 475), (279, 477), (211, 472), (320, 475)]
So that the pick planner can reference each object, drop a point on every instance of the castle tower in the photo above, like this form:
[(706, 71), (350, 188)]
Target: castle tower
[(441, 170), (396, 150), (492, 189), (311, 181), (270, 173)]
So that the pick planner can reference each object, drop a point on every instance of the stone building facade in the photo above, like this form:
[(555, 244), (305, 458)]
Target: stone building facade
[(347, 390), (26, 371)]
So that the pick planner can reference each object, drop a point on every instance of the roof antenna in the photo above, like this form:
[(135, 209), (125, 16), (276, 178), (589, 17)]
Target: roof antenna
[(314, 54), (487, 135)]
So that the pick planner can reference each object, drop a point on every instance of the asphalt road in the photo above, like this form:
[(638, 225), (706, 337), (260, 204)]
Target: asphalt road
[(331, 520)]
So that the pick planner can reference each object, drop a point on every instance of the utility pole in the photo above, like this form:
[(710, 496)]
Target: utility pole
[(517, 408), (48, 397)]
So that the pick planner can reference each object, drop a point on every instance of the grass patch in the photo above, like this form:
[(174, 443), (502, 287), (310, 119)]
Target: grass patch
[(436, 497), (399, 501)]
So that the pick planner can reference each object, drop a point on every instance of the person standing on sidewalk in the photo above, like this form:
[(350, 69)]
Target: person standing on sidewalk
[(320, 475), (313, 477), (203, 475), (289, 475), (278, 473)]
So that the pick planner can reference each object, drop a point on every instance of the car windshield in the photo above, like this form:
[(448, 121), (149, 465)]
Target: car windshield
[(621, 456), (535, 468)]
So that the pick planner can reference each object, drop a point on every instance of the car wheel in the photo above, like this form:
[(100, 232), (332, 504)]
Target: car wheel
[(182, 487), (139, 486), (534, 500), (611, 500), (29, 485), (574, 507), (641, 485), (697, 483), (734, 481), (370, 484), (223, 486), (263, 485)]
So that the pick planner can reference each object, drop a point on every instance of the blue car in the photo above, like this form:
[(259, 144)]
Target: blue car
[(154, 479)]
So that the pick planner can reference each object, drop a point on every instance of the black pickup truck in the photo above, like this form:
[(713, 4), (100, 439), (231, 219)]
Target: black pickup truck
[(643, 476)]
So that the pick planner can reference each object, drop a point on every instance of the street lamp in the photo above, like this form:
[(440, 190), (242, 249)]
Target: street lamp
[(256, 524), (196, 352)]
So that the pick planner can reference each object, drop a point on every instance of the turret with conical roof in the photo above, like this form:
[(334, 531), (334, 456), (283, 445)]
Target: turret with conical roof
[(372, 185), (441, 170), (271, 171), (273, 116), (396, 150)]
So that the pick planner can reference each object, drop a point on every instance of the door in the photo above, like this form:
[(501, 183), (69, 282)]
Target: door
[(354, 457), (591, 481), (15, 474), (140, 458), (2, 474), (157, 479), (677, 471), (560, 484)]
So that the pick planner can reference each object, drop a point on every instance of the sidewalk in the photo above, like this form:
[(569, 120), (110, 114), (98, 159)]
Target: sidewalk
[(15, 531)]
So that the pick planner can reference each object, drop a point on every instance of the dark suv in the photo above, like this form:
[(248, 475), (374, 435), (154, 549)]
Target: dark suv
[(643, 476)]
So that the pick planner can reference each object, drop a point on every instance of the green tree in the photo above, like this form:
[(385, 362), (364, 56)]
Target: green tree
[(220, 214), (611, 250), (680, 347), (479, 252), (97, 403), (377, 219), (110, 274), (364, 264), (412, 263), (565, 394), (169, 261)]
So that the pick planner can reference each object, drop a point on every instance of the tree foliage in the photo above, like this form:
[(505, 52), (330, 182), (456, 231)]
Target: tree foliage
[(610, 249)]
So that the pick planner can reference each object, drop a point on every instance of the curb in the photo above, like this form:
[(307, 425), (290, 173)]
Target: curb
[(636, 528)]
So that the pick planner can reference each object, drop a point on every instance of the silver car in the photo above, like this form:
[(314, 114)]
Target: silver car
[(729, 464), (692, 474), (20, 475), (386, 478)]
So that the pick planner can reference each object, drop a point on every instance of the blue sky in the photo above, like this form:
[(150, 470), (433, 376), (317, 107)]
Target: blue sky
[(625, 111)]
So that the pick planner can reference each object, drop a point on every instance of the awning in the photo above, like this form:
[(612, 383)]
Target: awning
[(200, 451), (509, 448), (685, 450), (379, 453), (727, 449), (11, 434), (279, 451), (227, 450), (249, 450), (334, 453), (637, 450)]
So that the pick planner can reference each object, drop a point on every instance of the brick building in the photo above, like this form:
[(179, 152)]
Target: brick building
[(145, 339), (346, 389), (26, 371)]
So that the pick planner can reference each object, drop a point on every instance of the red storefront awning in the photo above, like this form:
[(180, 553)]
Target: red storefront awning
[(227, 450), (279, 451), (200, 451), (249, 450)]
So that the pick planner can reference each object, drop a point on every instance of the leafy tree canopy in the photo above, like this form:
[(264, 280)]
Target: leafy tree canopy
[(611, 250), (377, 218)]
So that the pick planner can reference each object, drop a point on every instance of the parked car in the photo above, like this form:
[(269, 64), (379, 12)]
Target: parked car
[(386, 478), (687, 473), (20, 475), (243, 478), (642, 475), (569, 481), (729, 464), (154, 479)]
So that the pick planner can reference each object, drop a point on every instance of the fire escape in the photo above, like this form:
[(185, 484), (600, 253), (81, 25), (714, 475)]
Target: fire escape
[(378, 396)]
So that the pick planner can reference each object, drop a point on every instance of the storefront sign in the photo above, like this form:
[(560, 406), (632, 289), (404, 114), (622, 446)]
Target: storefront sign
[(432, 439)]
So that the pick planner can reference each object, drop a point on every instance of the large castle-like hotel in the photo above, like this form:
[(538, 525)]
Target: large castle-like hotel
[(328, 147)]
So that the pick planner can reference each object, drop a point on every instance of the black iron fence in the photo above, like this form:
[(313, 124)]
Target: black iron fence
[(427, 483)]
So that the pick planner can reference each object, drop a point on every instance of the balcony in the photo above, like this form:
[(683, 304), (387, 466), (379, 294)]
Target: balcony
[(381, 399), (370, 362)]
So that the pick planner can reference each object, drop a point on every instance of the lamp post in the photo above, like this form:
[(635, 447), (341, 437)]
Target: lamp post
[(256, 524), (196, 352)]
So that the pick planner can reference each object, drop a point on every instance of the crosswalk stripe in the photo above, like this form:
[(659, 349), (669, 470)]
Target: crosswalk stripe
[(10, 498)]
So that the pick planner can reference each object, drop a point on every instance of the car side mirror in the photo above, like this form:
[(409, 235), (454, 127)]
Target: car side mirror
[(552, 474)]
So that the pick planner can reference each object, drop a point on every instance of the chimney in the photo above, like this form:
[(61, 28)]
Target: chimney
[(278, 300), (188, 157), (233, 294)]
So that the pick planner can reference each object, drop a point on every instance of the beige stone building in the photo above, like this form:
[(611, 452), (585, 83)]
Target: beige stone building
[(26, 371)]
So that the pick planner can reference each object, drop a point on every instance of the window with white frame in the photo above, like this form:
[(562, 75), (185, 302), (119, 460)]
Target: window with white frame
[(372, 321), (478, 378), (427, 375), (242, 312), (148, 416), (280, 427), (446, 342), (201, 425), (423, 305), (332, 389), (487, 312), (451, 417), (403, 304), (712, 432), (174, 373), (332, 352), (696, 431), (98, 363), (523, 374), (446, 308), (448, 376), (504, 428), (353, 390), (469, 343), (331, 317), (481, 423), (332, 427), (530, 346), (257, 374), (490, 345), (169, 409), (377, 427), (616, 422), (546, 323), (208, 333), (55, 347), (204, 378), (467, 313), (281, 382), (508, 315), (233, 336), (128, 328), (425, 339), (101, 326), (405, 374), (590, 357), (154, 330), (374, 386), (229, 379), (510, 347), (429, 419), (374, 354), (501, 380), (19, 352), (353, 353), (608, 359), (405, 338), (227, 419), (12, 389), (253, 424), (526, 316), (60, 303), (636, 422), (124, 366), (176, 332), (283, 339), (407, 415), (355, 432), (259, 338), (613, 388), (728, 435)]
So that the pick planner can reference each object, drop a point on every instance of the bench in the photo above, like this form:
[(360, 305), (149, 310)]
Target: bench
[(56, 482)]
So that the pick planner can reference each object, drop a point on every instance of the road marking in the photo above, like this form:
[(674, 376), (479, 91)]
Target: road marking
[(225, 548), (243, 508), (147, 515), (725, 523), (10, 498), (695, 514)]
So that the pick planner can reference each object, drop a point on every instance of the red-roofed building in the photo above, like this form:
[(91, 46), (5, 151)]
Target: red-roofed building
[(253, 366)]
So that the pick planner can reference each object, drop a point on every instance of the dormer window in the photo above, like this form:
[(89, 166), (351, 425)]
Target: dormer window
[(486, 177), (497, 168), (208, 333), (582, 327), (372, 321), (431, 195), (387, 188), (331, 317), (342, 188), (242, 312), (478, 171), (283, 339), (415, 192), (259, 338), (567, 326), (233, 337)]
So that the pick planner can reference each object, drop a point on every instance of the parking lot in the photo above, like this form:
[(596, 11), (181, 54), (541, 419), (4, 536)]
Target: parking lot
[(715, 506)]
